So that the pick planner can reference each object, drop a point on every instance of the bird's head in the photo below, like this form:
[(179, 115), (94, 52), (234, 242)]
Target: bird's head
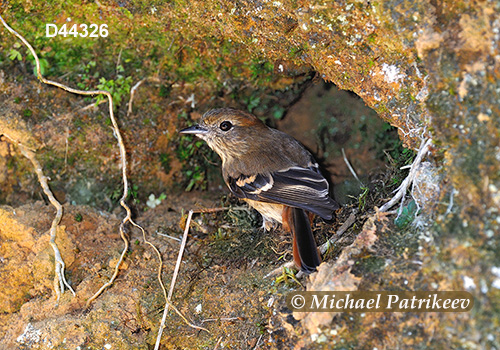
[(227, 131)]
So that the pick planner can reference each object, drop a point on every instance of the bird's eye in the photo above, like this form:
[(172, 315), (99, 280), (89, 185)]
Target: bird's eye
[(225, 125)]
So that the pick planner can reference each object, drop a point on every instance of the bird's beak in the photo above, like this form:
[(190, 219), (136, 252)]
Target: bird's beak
[(195, 129)]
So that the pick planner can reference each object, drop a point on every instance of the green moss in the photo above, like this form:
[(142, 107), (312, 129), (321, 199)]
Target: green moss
[(165, 90)]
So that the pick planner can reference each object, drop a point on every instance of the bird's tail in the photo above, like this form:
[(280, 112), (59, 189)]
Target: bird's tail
[(305, 251)]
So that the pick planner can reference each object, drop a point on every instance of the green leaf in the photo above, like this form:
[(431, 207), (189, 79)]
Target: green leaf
[(407, 215), (14, 54)]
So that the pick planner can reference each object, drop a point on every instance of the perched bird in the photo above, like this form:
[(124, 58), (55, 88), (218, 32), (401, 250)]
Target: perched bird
[(273, 173)]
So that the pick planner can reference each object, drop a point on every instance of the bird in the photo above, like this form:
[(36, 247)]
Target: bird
[(273, 173)]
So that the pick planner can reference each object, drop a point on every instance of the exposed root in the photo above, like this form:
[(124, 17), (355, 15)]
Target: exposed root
[(402, 189), (133, 90), (120, 143), (59, 278)]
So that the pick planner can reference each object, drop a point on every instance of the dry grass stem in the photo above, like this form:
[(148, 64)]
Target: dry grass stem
[(218, 342), (351, 169), (172, 286)]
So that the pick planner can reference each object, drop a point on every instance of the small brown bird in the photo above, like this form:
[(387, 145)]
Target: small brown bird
[(273, 173)]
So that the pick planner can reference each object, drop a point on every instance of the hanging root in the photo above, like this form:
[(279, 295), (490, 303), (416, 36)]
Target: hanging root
[(401, 190), (59, 278), (43, 180)]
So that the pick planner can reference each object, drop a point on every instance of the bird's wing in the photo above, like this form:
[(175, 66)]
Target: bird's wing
[(297, 187)]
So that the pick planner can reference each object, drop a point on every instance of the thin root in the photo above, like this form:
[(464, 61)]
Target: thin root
[(59, 278), (401, 190)]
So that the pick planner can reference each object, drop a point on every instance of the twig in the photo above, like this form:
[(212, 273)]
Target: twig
[(401, 190), (279, 270), (132, 94), (168, 236), (218, 342), (350, 167), (91, 106), (171, 43), (214, 210), (224, 319), (172, 285), (257, 345), (348, 223), (179, 256)]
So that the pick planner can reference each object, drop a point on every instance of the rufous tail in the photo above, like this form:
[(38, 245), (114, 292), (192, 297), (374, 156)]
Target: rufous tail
[(305, 251)]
